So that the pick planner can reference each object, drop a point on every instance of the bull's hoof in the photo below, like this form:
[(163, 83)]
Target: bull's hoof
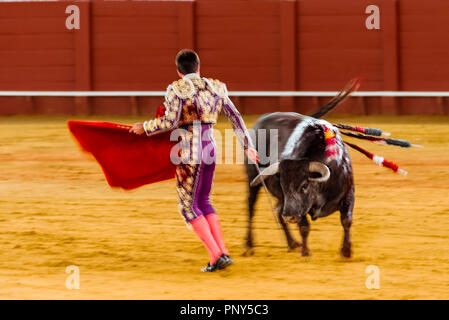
[(248, 251), (345, 252), (292, 245), (305, 252)]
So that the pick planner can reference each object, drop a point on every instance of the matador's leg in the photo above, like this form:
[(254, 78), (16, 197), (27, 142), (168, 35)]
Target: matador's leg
[(207, 208), (187, 177), (202, 200)]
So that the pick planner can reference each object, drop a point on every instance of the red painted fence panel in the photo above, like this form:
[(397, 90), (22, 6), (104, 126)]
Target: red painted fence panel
[(255, 45)]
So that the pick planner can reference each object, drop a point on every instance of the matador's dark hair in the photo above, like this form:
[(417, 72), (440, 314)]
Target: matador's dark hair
[(187, 61)]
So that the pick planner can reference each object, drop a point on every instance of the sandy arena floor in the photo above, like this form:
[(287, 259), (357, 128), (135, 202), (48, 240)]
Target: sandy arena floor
[(56, 210)]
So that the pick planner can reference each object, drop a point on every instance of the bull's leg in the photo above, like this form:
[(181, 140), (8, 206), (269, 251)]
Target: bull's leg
[(291, 243), (346, 209), (252, 197), (304, 230)]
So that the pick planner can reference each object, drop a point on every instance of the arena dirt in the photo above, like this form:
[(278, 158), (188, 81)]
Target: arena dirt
[(56, 210)]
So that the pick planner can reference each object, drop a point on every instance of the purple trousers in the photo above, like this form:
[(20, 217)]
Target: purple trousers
[(194, 180)]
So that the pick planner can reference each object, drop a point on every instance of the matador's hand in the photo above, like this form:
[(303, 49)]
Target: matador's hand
[(137, 129), (252, 155)]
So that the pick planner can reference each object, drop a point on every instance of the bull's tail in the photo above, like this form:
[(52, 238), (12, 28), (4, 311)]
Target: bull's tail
[(350, 87)]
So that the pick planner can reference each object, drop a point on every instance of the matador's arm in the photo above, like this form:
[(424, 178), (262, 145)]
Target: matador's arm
[(232, 114), (170, 119), (235, 118)]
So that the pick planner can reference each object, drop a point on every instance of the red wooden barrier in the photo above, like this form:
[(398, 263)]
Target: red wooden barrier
[(250, 44)]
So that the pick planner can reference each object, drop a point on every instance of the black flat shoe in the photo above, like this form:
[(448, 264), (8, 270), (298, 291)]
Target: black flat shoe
[(226, 262), (209, 268), (221, 263)]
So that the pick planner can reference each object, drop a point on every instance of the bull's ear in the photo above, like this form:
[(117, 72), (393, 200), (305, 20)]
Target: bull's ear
[(265, 173)]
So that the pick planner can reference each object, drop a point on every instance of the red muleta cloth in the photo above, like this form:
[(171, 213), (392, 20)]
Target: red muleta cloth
[(128, 160)]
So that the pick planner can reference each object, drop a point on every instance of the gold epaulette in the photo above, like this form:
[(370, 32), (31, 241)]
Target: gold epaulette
[(218, 87), (183, 88)]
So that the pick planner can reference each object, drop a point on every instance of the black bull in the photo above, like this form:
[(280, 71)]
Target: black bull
[(302, 179)]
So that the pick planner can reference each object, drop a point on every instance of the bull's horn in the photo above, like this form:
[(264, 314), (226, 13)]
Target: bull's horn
[(320, 168), (265, 173)]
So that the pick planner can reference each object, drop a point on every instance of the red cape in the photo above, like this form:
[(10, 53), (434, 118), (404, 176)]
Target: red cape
[(128, 160)]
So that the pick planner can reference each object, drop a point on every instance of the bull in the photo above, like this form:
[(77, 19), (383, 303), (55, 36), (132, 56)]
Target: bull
[(301, 177)]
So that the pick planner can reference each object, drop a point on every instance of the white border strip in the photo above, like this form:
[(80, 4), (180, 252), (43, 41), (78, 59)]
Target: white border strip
[(231, 93)]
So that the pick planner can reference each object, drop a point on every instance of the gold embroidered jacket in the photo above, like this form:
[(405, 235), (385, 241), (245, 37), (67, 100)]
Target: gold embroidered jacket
[(198, 99)]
